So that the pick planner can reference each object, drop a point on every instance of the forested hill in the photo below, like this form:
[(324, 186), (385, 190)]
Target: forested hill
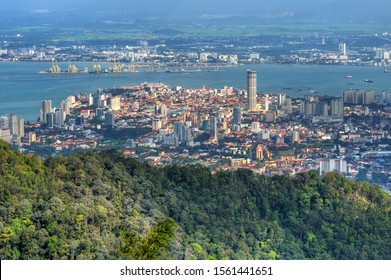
[(76, 208)]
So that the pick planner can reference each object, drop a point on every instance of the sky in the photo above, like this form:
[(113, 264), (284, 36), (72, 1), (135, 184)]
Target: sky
[(322, 9), (206, 5)]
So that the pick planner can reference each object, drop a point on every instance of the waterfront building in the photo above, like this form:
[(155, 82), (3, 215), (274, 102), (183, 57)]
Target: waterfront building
[(13, 124), (4, 122), (46, 108), (65, 106), (358, 97), (343, 49)]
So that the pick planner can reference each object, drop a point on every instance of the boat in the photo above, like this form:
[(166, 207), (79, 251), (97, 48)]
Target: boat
[(387, 71), (348, 76), (368, 81)]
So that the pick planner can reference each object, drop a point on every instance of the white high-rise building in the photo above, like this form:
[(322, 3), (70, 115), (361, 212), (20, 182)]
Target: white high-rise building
[(332, 165), (46, 108), (342, 49), (251, 90), (13, 124), (337, 107), (115, 103)]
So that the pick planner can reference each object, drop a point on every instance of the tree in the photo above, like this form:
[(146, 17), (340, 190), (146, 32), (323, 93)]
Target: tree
[(153, 245)]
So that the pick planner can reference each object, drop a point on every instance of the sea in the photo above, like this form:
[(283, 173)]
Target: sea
[(22, 87)]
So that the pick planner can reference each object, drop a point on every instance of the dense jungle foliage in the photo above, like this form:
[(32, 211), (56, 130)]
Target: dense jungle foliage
[(104, 206)]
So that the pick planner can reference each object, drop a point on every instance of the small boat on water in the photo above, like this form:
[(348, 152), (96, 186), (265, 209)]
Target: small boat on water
[(368, 81), (387, 71), (348, 76)]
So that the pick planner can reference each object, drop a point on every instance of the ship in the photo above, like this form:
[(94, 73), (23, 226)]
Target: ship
[(368, 81), (348, 76), (387, 71)]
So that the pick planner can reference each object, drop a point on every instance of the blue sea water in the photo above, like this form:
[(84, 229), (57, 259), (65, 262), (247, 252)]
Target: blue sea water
[(22, 88)]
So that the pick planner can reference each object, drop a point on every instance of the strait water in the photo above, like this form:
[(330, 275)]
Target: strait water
[(22, 88)]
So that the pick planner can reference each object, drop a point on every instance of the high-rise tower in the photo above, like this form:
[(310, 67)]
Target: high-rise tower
[(46, 108), (251, 90)]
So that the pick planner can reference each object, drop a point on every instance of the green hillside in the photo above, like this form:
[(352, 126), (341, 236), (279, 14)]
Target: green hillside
[(104, 206)]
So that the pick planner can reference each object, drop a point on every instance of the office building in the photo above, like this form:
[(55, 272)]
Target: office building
[(59, 117), (237, 116), (115, 103), (109, 119), (251, 90), (13, 124), (49, 119), (79, 120), (21, 127), (213, 127)]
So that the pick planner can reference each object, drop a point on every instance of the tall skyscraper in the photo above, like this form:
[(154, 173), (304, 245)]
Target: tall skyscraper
[(50, 119), (237, 116), (59, 117), (13, 124), (342, 49), (163, 110), (109, 119), (65, 107), (4, 122), (213, 127), (281, 99), (46, 108), (251, 90), (337, 107), (21, 127)]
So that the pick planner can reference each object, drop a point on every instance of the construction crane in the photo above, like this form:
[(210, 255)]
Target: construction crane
[(116, 67), (55, 69), (72, 69)]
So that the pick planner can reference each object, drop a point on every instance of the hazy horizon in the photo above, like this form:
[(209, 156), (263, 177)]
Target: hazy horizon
[(329, 10)]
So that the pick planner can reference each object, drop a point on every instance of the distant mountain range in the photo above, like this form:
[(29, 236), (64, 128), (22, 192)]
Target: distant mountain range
[(248, 11)]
